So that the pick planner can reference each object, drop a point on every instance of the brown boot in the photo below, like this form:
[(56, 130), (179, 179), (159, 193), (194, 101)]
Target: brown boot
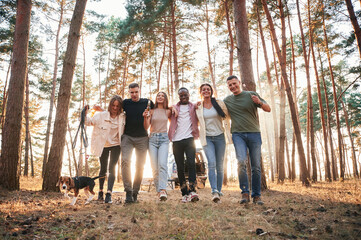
[(245, 198), (257, 200)]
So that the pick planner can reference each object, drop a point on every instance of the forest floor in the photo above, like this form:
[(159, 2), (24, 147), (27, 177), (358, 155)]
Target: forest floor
[(291, 211)]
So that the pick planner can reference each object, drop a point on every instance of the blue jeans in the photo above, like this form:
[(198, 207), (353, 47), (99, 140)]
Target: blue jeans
[(158, 152), (252, 141), (215, 148)]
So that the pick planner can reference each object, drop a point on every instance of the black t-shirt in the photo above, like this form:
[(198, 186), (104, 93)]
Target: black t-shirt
[(134, 117)]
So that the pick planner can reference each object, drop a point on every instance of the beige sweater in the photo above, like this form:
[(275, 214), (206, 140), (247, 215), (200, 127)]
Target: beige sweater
[(202, 125)]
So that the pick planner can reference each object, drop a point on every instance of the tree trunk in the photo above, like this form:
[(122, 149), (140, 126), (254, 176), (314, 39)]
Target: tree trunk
[(243, 45), (11, 133), (170, 69), (163, 55), (107, 78), (52, 96), (333, 160), (282, 136), (355, 24), (73, 152), (141, 78), (271, 92), (210, 67), (84, 153), (5, 93), (323, 122), (229, 28), (270, 155), (310, 107), (293, 161), (296, 126), (339, 136), (354, 163), (310, 124), (31, 157), (69, 157), (27, 132), (174, 45), (53, 167), (288, 159)]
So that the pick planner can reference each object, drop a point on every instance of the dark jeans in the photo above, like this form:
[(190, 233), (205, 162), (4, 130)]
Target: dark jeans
[(114, 156), (186, 146)]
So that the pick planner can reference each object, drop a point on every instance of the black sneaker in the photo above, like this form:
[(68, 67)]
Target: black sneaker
[(100, 196), (108, 198), (129, 197), (135, 197)]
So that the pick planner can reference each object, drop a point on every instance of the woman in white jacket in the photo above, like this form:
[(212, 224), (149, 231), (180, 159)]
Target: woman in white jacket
[(106, 137), (214, 125)]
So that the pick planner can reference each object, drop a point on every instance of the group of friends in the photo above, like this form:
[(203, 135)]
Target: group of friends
[(124, 127)]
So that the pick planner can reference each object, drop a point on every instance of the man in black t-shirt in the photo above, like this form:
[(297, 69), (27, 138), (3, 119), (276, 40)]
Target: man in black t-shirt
[(135, 136)]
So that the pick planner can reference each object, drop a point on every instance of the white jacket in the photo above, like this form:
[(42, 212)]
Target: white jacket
[(101, 130), (202, 125)]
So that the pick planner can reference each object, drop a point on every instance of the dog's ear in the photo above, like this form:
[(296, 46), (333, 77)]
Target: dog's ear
[(58, 183)]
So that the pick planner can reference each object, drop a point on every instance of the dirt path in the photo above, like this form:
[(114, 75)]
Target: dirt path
[(324, 211)]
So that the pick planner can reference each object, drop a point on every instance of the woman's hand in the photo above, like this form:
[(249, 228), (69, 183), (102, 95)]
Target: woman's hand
[(146, 113)]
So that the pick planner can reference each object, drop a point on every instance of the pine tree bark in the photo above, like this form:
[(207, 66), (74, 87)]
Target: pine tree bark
[(53, 166), (72, 150), (52, 96), (354, 163), (69, 157), (296, 125), (83, 103), (282, 136), (163, 54), (11, 133), (27, 131), (339, 136), (355, 24), (210, 64), (333, 160), (323, 121), (243, 45), (174, 45), (310, 123), (107, 78), (230, 34), (5, 93), (271, 92), (31, 157)]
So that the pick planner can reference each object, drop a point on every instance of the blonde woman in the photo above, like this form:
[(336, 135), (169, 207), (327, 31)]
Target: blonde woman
[(157, 119)]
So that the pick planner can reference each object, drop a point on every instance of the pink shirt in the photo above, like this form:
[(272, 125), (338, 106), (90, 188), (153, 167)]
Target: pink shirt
[(174, 121)]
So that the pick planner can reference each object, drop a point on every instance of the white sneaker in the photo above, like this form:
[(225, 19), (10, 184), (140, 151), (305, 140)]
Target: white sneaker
[(184, 198), (193, 197), (215, 197), (163, 195)]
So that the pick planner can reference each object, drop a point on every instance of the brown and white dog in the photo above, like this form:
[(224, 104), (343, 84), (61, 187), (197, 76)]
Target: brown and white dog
[(76, 183)]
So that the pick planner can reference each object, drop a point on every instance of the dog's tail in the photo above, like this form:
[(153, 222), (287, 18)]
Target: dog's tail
[(99, 177)]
